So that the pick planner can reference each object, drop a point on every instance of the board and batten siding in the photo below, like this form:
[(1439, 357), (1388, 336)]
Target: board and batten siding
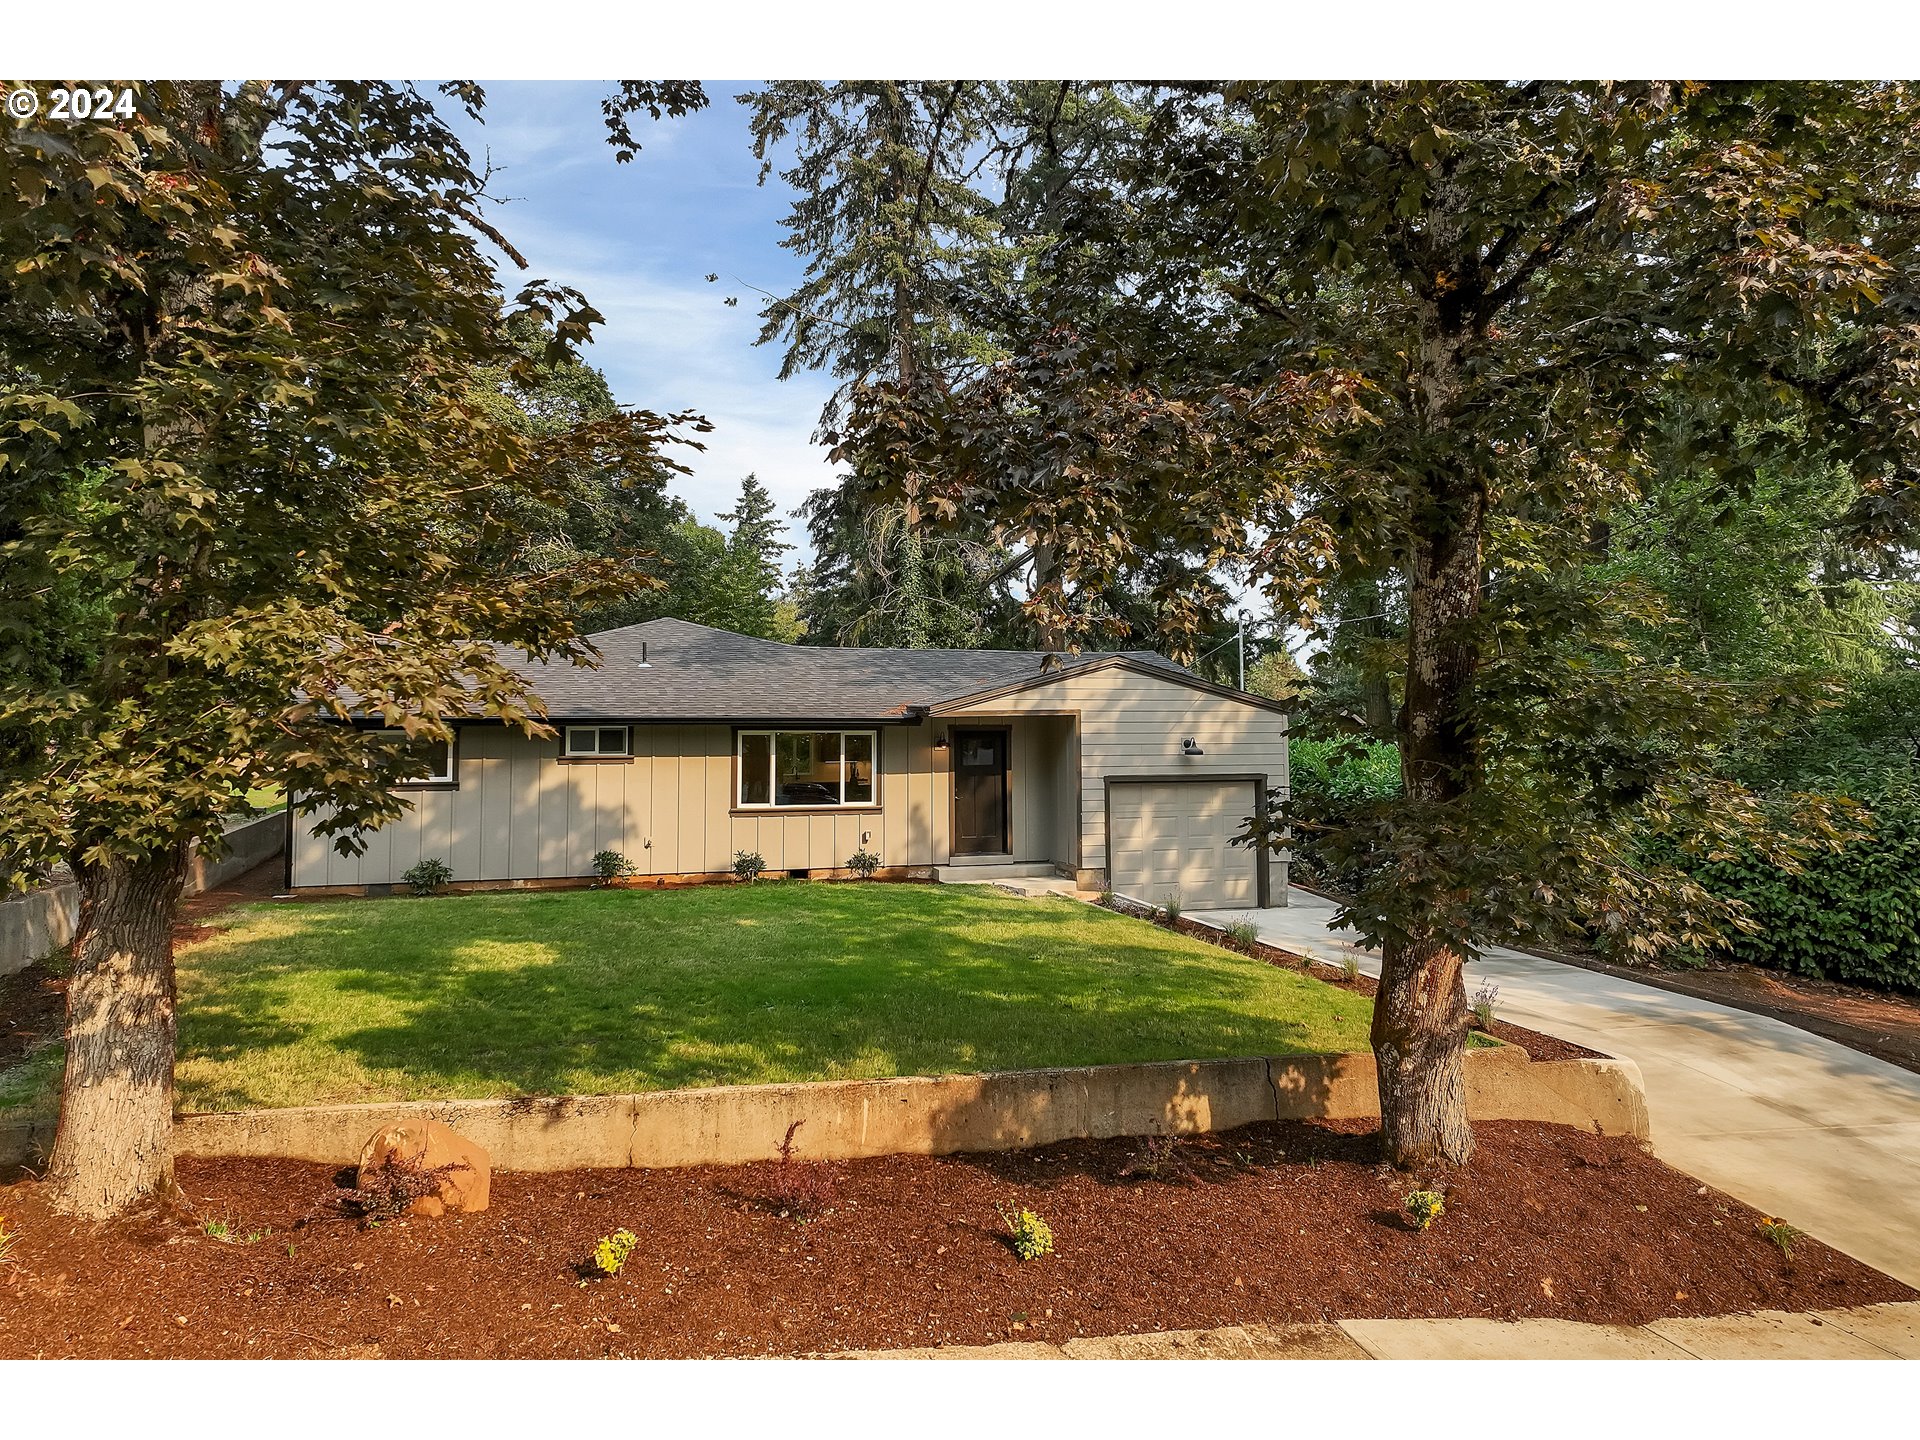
[(519, 812), (1132, 723)]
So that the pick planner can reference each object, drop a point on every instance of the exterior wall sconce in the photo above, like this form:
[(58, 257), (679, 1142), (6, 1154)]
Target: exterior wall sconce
[(1191, 746), (940, 741), (866, 836)]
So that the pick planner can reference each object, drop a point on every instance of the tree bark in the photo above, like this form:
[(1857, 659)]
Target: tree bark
[(115, 1142), (1051, 636), (1419, 1044), (1419, 1031)]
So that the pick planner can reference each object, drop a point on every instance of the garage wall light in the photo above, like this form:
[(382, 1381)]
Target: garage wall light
[(1191, 746)]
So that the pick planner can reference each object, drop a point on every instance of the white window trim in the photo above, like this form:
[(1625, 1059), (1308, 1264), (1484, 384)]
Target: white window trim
[(773, 771), (446, 779), (567, 751)]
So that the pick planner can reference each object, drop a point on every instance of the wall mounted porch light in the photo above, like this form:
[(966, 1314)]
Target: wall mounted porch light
[(1191, 746)]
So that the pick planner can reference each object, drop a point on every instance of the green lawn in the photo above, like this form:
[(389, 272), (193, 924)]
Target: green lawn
[(582, 992)]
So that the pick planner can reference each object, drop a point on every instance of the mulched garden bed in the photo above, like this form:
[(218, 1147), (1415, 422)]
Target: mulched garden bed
[(1537, 1045), (1271, 1223)]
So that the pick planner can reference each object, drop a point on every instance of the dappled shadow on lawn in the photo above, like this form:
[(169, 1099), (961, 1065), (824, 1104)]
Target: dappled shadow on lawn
[(597, 992)]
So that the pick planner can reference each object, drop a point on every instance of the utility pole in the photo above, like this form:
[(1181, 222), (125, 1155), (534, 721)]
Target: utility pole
[(1243, 649)]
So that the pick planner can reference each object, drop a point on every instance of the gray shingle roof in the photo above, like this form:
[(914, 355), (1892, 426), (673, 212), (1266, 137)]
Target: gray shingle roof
[(695, 672)]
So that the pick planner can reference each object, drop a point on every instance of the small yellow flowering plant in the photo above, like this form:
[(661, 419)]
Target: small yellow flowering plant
[(1424, 1207), (1030, 1236), (610, 1254)]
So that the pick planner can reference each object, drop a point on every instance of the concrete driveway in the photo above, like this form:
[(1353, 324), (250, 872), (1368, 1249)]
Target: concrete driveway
[(1792, 1124)]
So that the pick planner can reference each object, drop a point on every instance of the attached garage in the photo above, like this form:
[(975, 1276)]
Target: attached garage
[(1173, 834)]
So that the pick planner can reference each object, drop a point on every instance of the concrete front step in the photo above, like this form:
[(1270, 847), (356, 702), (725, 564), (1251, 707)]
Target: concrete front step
[(986, 874)]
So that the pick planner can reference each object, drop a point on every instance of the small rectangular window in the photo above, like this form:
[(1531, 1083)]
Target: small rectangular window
[(595, 741), (435, 755)]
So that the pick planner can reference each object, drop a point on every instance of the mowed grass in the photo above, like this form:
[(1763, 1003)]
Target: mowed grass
[(593, 992)]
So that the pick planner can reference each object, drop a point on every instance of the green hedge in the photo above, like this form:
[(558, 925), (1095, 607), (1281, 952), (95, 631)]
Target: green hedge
[(1331, 780), (1851, 914)]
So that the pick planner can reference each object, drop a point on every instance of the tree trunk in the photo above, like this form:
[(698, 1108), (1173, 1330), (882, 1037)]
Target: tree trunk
[(1419, 1043), (1420, 1013), (115, 1142), (1051, 636)]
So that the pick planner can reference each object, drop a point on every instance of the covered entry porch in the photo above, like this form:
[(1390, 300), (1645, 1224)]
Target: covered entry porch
[(1012, 787)]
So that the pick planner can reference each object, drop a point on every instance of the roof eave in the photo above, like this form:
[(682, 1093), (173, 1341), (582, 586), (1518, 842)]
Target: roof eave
[(1158, 672)]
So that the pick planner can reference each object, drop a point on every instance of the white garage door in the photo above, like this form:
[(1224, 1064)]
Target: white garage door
[(1169, 837)]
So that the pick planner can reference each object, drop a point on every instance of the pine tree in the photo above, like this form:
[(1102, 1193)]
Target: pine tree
[(752, 562), (889, 215)]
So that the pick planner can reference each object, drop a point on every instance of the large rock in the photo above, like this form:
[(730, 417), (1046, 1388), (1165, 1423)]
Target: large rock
[(467, 1177)]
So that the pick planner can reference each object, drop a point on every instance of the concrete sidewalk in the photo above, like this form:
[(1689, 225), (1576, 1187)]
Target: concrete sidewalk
[(1872, 1332), (1792, 1124)]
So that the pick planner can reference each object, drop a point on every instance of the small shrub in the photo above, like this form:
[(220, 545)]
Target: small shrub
[(1106, 897), (1172, 906), (1484, 1001), (218, 1230), (1244, 931), (1350, 966), (1030, 1236), (1424, 1207), (1158, 1157), (863, 863), (1781, 1236), (9, 1237), (798, 1187), (747, 864), (428, 876), (611, 865), (389, 1191), (609, 1255)]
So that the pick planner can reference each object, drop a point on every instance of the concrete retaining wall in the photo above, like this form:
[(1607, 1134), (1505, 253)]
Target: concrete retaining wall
[(38, 923), (939, 1115)]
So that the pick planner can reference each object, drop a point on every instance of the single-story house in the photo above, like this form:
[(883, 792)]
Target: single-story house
[(689, 744)]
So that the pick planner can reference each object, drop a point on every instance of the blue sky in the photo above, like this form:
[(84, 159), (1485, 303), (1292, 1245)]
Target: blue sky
[(639, 240)]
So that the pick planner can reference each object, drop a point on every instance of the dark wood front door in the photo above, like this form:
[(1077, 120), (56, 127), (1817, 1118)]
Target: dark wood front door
[(980, 792)]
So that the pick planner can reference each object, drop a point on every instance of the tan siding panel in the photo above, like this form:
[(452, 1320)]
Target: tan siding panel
[(1133, 723)]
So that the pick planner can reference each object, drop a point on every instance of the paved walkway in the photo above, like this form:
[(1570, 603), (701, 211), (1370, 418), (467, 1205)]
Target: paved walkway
[(1873, 1332), (1790, 1123)]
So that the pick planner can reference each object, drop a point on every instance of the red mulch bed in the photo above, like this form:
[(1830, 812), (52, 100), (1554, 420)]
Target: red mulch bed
[(1277, 1223), (1537, 1045)]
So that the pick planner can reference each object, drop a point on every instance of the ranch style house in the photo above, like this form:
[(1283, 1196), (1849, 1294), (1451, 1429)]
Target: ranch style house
[(688, 744)]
